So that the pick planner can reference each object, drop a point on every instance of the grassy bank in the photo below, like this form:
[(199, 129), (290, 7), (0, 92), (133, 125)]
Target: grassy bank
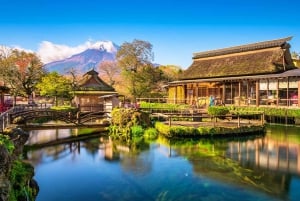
[(206, 131)]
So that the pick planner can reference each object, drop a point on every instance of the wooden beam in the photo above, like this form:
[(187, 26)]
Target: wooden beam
[(223, 95), (257, 93), (231, 94), (277, 93), (298, 94), (287, 92), (239, 102)]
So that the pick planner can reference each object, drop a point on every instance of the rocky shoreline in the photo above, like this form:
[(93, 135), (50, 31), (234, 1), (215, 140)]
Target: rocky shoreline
[(16, 176)]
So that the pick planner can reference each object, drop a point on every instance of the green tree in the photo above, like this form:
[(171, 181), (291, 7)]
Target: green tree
[(295, 55), (135, 61), (170, 72), (147, 81), (56, 86), (21, 71)]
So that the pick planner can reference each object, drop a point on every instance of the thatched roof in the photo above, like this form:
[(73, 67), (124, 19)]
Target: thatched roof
[(252, 59), (92, 82), (289, 73)]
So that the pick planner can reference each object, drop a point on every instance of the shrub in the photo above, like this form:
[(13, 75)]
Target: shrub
[(137, 131), (162, 128), (150, 133), (7, 143), (217, 110), (178, 130), (202, 130), (167, 106), (64, 108), (20, 175), (127, 123)]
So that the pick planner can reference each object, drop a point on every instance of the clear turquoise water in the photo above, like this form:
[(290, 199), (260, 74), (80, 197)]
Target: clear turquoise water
[(261, 168)]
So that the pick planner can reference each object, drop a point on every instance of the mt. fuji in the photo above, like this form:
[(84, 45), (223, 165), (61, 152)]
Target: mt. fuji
[(86, 60)]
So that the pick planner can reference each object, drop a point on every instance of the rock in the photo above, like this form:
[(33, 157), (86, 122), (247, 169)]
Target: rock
[(4, 168)]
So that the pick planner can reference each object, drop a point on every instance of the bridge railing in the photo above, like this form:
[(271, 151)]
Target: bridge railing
[(5, 116), (5, 119)]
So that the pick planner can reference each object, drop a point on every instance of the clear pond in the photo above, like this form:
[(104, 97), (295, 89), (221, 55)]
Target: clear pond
[(95, 169)]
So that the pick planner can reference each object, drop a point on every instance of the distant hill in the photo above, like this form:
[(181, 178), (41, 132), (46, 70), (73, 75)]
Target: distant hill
[(86, 60)]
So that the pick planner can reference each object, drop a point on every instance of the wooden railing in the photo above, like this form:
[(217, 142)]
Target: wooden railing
[(5, 117), (4, 120)]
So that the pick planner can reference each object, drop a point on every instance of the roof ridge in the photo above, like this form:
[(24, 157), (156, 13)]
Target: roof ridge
[(243, 48)]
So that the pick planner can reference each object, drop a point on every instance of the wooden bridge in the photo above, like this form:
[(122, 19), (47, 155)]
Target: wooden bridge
[(23, 114)]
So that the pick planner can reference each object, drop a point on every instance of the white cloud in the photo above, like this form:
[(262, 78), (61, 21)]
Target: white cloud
[(6, 50), (22, 49), (50, 52)]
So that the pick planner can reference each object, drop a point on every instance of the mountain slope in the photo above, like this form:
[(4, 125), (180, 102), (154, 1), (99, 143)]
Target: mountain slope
[(84, 61)]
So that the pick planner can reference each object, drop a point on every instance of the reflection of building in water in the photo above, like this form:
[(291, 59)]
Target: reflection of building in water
[(110, 153), (268, 153), (242, 164), (44, 136), (131, 156), (52, 153)]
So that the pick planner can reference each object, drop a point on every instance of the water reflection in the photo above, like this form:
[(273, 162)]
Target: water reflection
[(267, 164)]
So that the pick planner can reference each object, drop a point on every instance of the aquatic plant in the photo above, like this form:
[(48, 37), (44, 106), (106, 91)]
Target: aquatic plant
[(7, 143)]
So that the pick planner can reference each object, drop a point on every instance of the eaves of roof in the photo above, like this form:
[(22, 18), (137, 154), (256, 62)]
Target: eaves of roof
[(290, 73)]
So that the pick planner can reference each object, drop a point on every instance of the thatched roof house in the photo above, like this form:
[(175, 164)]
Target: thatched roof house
[(92, 82), (252, 59), (248, 72), (94, 94)]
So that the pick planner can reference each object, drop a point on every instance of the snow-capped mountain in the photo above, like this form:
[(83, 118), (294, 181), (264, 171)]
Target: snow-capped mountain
[(86, 60)]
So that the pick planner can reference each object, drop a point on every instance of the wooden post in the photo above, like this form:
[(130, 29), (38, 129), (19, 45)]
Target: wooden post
[(78, 117), (277, 93), (239, 102), (197, 95), (268, 90), (247, 93), (8, 119), (257, 93), (239, 120), (298, 102), (175, 95), (287, 92), (223, 95), (231, 95), (170, 120)]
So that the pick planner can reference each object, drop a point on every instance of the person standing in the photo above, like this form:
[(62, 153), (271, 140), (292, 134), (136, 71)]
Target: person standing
[(211, 101)]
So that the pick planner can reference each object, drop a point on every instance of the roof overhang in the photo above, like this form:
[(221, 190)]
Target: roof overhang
[(95, 92), (290, 73)]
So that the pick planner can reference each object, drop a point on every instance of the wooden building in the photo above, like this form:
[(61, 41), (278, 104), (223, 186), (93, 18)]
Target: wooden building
[(257, 74), (94, 94)]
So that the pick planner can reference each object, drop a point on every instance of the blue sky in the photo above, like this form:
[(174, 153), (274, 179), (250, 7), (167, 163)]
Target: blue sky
[(175, 28)]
